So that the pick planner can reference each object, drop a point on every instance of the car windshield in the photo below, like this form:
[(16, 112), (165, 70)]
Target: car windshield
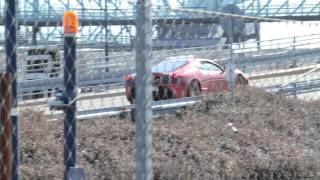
[(168, 66)]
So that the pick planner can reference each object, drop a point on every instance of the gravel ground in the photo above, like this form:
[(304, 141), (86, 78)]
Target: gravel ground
[(264, 137)]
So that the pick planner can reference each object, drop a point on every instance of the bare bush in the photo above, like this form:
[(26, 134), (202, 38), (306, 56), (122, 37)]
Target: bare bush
[(265, 136)]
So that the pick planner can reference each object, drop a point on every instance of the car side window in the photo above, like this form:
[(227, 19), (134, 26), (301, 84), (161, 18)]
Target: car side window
[(209, 66), (200, 66)]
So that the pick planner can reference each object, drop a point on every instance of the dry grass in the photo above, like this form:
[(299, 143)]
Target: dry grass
[(276, 138)]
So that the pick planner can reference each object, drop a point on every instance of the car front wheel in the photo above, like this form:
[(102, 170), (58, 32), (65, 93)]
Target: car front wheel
[(240, 80), (194, 89)]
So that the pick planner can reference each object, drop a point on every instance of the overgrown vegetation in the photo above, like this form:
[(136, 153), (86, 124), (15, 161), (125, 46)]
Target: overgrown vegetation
[(266, 136)]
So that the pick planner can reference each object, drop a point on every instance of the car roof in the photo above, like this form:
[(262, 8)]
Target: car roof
[(189, 59), (192, 60)]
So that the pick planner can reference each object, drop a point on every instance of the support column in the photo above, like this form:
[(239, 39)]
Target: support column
[(106, 38), (257, 32), (35, 31)]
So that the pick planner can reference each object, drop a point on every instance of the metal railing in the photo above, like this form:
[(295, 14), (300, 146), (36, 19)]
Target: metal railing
[(272, 10), (286, 53)]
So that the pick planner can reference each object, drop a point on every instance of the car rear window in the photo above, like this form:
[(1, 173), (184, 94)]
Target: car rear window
[(168, 66)]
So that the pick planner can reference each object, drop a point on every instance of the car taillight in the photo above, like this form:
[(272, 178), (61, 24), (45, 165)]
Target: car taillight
[(126, 78), (129, 80), (130, 77)]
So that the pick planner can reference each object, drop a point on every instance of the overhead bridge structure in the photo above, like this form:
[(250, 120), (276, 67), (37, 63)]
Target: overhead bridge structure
[(40, 20), (162, 15)]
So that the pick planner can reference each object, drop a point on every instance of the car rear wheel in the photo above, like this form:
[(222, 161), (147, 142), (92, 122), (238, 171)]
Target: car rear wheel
[(133, 110), (194, 89), (132, 96)]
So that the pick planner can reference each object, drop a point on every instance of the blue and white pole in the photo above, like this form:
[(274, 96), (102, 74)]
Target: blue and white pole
[(70, 23)]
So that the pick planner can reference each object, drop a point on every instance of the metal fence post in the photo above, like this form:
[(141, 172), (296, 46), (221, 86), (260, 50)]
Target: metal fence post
[(143, 115), (230, 66), (232, 82), (11, 58), (5, 128), (294, 63), (295, 91), (258, 37), (70, 23), (106, 37)]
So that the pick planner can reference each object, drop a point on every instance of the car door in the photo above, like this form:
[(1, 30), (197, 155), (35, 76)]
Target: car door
[(203, 75), (215, 76)]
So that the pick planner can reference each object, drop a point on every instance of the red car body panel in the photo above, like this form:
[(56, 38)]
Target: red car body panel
[(175, 84)]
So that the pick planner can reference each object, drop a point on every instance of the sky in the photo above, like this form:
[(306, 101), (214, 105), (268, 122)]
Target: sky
[(283, 35), (280, 30)]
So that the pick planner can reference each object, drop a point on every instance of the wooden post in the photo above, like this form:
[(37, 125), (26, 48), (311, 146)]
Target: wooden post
[(5, 127)]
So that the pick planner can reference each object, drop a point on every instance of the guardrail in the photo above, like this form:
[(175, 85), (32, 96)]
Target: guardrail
[(98, 78), (171, 106), (296, 88), (113, 90), (159, 108), (92, 70)]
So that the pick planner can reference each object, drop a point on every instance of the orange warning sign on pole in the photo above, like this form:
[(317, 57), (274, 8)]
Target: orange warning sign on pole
[(70, 22)]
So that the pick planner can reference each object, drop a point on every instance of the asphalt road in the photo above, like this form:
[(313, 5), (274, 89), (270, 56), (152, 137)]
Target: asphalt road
[(115, 98)]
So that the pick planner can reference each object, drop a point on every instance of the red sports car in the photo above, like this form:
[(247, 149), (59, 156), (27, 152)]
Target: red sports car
[(183, 78)]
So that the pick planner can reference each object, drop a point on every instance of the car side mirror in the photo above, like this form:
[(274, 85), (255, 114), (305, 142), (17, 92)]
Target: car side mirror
[(223, 69)]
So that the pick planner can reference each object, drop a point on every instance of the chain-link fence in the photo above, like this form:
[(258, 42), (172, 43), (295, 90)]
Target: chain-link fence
[(159, 90)]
